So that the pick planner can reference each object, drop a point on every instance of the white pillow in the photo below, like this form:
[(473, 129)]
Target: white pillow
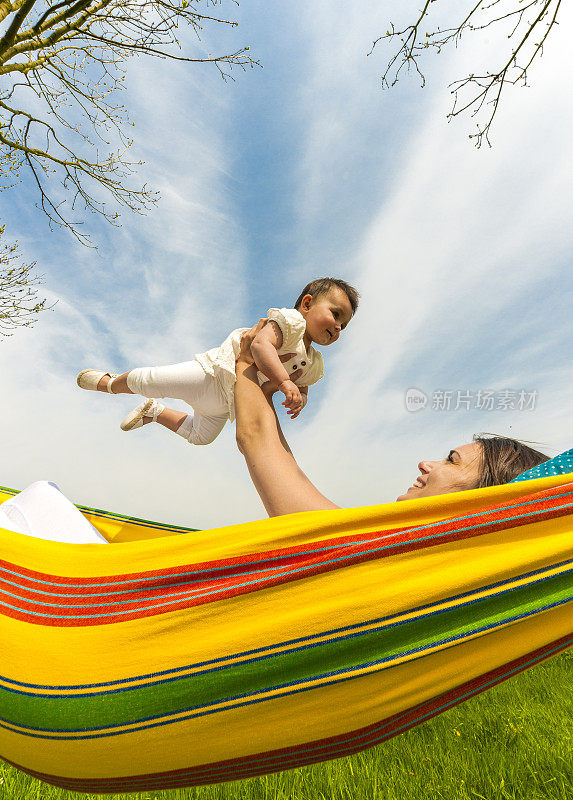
[(42, 511)]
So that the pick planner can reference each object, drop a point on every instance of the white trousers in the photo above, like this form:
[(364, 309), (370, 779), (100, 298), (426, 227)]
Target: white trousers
[(187, 381), (42, 511)]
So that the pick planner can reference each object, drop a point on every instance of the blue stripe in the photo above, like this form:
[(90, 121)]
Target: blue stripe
[(138, 523), (324, 676), (194, 669), (293, 758)]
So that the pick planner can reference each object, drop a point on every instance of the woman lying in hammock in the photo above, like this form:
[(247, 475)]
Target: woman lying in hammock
[(284, 488)]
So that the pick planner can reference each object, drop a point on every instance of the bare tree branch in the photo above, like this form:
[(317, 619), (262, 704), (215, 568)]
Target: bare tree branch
[(19, 302), (61, 67), (526, 25)]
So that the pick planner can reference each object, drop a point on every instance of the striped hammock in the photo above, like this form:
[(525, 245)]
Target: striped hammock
[(174, 658)]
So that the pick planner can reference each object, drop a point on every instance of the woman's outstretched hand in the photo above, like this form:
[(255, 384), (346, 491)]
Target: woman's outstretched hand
[(245, 356)]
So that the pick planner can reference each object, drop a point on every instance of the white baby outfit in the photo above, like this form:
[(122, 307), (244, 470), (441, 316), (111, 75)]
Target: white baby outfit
[(208, 383)]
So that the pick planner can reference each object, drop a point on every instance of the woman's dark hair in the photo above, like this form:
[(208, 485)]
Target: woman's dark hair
[(503, 459)]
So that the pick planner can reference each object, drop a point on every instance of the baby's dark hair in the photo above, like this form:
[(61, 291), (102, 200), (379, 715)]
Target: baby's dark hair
[(323, 285)]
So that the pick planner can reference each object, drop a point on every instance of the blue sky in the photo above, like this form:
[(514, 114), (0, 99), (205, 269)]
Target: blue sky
[(301, 169)]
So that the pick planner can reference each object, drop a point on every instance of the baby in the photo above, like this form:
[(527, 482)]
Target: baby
[(283, 347)]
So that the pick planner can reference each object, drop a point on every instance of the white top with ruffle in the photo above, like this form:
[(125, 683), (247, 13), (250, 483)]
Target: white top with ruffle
[(220, 361)]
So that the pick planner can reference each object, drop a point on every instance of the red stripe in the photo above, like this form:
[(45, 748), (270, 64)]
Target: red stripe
[(142, 605), (547, 498), (165, 588), (496, 512), (298, 756)]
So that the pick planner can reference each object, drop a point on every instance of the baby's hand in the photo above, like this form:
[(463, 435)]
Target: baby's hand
[(269, 388), (294, 414), (293, 397)]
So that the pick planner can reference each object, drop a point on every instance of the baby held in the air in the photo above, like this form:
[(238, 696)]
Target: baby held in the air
[(281, 349)]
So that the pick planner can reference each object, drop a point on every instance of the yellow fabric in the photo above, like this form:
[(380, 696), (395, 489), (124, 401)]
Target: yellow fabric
[(390, 587), (289, 720)]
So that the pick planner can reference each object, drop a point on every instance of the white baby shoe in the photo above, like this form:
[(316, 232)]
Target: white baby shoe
[(149, 408), (89, 379)]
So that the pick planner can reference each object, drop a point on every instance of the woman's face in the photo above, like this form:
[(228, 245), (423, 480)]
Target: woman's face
[(458, 471)]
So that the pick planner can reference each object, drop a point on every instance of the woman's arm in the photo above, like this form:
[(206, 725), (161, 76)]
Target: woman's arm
[(282, 485)]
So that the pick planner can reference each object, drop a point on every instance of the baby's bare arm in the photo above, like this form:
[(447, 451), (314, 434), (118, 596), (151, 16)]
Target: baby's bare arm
[(264, 349)]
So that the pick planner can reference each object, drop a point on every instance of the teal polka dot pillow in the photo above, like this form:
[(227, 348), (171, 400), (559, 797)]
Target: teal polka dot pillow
[(560, 465)]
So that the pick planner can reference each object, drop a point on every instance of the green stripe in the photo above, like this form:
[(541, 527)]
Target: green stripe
[(159, 699)]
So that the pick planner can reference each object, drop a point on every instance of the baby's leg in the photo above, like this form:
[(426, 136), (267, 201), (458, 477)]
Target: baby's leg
[(119, 385), (195, 428), (199, 428), (189, 382), (103, 383), (174, 380), (186, 381), (170, 419)]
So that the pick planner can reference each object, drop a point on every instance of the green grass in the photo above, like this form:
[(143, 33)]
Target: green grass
[(514, 742)]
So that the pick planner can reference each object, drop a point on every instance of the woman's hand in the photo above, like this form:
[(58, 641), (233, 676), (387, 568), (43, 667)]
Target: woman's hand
[(245, 356)]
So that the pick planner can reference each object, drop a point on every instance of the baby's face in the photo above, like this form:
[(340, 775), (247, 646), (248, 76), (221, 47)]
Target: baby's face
[(326, 316)]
